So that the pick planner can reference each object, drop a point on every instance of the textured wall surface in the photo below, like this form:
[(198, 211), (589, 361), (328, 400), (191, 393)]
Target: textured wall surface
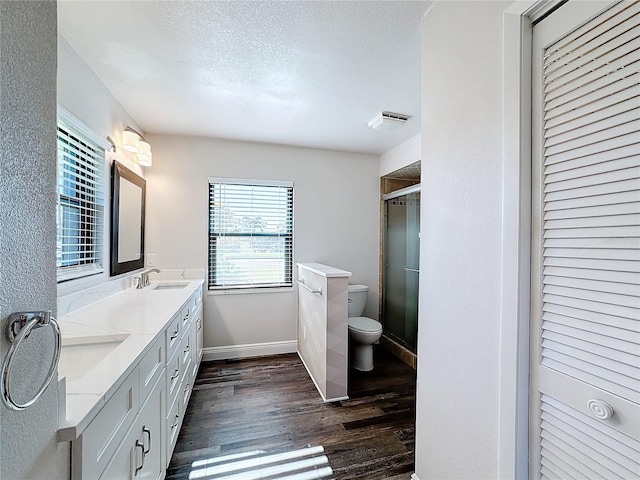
[(460, 254), (27, 226)]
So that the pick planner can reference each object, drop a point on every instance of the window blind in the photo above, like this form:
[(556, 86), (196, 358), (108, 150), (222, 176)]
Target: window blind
[(250, 234), (80, 206)]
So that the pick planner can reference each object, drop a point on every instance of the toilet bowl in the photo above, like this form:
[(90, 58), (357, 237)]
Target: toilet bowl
[(363, 331)]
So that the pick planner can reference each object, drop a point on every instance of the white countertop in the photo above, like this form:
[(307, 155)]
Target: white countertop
[(141, 315), (324, 270)]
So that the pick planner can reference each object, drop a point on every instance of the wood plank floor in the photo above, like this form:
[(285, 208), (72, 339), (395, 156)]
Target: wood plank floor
[(271, 404)]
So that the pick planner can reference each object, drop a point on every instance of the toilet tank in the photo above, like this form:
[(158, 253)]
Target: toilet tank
[(357, 295)]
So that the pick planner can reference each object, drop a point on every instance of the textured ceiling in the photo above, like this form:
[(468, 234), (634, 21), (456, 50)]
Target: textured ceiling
[(309, 73)]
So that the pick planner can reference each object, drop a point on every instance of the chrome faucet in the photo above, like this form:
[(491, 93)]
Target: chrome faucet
[(144, 278)]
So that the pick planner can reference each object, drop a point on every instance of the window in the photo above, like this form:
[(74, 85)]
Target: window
[(250, 234), (80, 207)]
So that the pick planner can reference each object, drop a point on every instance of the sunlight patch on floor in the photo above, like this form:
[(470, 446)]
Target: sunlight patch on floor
[(304, 464)]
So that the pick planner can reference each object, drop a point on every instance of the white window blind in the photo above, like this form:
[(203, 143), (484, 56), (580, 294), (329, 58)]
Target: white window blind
[(80, 207), (250, 234), (591, 231)]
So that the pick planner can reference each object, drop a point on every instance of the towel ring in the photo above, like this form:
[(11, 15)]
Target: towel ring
[(19, 327)]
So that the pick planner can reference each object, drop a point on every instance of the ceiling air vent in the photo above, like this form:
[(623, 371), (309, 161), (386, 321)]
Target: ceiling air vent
[(388, 120)]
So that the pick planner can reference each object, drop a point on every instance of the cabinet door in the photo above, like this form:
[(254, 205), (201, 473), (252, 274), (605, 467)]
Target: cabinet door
[(585, 308), (173, 422), (107, 431), (199, 340), (126, 458), (152, 424), (141, 453)]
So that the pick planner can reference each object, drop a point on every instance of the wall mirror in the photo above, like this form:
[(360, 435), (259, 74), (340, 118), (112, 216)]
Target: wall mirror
[(128, 192)]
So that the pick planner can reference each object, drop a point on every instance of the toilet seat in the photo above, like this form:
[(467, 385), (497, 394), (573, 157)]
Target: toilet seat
[(364, 325)]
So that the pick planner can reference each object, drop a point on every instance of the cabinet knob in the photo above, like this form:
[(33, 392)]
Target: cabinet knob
[(600, 409)]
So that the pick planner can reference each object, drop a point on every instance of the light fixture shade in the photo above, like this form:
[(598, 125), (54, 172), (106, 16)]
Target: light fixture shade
[(144, 154), (130, 141)]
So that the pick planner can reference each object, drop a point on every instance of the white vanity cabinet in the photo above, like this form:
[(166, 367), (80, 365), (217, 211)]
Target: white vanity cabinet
[(181, 371), (133, 435)]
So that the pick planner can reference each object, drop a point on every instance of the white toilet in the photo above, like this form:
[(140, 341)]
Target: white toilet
[(363, 331)]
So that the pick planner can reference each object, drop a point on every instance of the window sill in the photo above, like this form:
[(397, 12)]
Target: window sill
[(243, 291)]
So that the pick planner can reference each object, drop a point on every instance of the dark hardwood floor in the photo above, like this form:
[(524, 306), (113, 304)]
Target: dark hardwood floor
[(271, 404)]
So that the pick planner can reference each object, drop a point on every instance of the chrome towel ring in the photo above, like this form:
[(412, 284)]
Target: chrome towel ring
[(19, 327)]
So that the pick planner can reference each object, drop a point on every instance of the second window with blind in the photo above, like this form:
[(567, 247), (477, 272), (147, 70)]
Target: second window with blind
[(250, 234)]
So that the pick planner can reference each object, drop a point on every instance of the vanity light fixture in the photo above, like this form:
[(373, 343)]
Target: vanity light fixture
[(134, 142), (144, 154), (130, 140)]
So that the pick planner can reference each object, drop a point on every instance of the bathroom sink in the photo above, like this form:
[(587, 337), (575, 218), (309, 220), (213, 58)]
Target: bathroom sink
[(169, 286), (80, 354)]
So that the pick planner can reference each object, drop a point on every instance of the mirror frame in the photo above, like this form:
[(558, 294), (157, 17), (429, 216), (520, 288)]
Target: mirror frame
[(119, 171)]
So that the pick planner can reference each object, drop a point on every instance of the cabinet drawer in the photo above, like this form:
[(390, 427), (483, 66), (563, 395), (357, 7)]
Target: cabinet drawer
[(186, 386), (151, 368), (196, 300), (185, 313), (173, 334), (101, 438), (174, 374), (186, 346)]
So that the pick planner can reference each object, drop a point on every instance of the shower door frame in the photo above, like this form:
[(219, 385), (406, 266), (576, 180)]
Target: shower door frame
[(417, 188)]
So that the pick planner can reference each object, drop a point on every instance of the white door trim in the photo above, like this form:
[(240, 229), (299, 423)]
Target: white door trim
[(513, 430)]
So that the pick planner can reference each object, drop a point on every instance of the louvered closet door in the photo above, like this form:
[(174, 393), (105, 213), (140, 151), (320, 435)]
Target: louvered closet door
[(585, 356)]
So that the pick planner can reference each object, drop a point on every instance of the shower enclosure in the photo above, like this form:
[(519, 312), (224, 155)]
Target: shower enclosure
[(401, 266)]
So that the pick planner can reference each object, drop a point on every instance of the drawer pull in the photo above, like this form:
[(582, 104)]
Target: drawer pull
[(186, 350), (138, 444), (199, 323), (175, 335), (175, 424), (148, 432), (176, 372), (186, 390), (187, 315)]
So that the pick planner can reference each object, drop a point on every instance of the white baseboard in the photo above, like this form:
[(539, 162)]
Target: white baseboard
[(228, 352), (414, 477)]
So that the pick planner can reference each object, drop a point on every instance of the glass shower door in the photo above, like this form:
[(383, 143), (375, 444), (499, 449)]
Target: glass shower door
[(401, 268)]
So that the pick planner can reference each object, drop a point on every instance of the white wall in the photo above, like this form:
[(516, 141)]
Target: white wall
[(458, 335), (82, 94), (408, 152), (85, 97), (336, 215)]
